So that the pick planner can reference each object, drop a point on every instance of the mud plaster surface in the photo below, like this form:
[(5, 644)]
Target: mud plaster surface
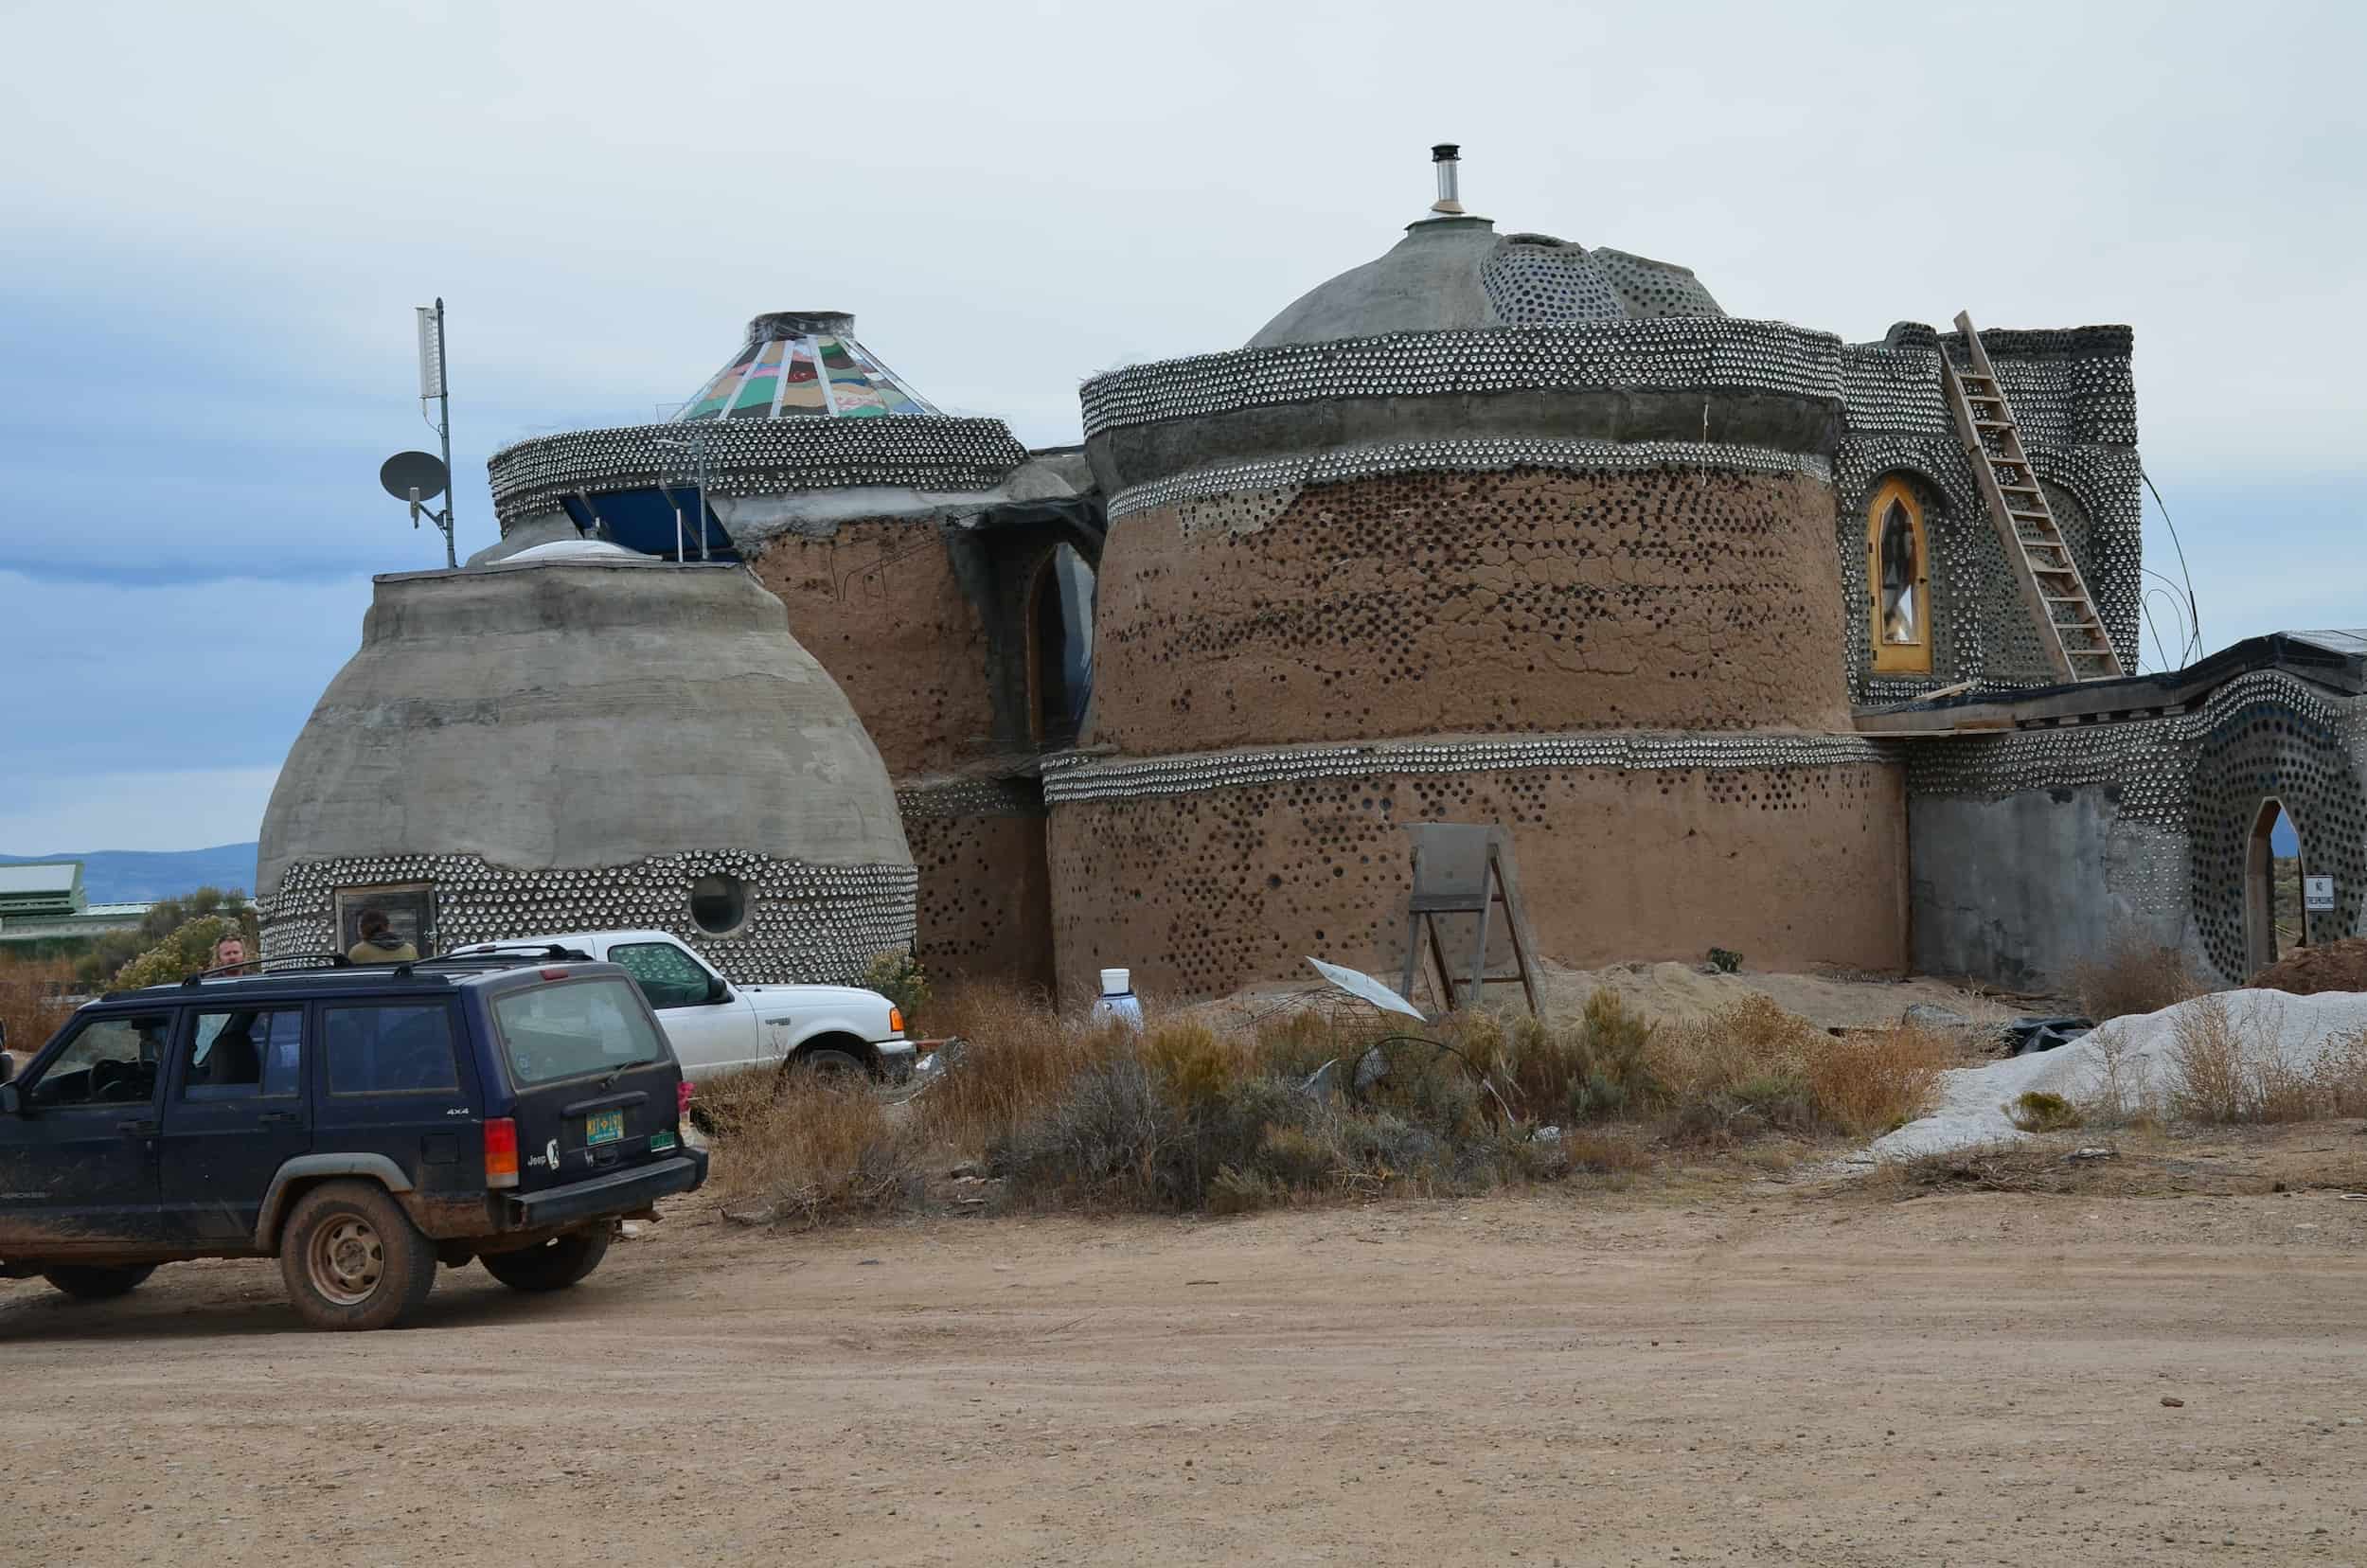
[(1521, 601), (1201, 894), (879, 605), (986, 896)]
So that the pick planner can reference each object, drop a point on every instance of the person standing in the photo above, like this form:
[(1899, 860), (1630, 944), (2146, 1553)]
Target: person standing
[(230, 958)]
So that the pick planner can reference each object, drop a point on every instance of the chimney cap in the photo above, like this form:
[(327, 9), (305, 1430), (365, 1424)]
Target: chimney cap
[(1446, 151)]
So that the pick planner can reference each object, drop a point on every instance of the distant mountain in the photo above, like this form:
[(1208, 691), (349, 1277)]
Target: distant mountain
[(144, 876)]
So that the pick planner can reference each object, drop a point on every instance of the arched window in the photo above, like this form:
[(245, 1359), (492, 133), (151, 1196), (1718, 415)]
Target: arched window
[(1899, 579)]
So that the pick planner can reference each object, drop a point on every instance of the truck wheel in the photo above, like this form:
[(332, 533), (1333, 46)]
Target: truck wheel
[(90, 1282), (352, 1260), (828, 1063), (553, 1266)]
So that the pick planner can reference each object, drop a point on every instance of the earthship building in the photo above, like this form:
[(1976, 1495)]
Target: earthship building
[(1749, 636)]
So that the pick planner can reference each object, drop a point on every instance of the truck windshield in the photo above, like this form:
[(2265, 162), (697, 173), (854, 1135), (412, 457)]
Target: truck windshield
[(571, 1027)]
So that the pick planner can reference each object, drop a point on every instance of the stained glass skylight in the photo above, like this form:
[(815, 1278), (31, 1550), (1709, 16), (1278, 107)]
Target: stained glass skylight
[(798, 365)]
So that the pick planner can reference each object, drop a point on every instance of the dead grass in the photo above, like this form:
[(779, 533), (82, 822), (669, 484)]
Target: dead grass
[(31, 1002), (809, 1151), (1191, 1117), (2134, 978), (2223, 1072), (1754, 1069)]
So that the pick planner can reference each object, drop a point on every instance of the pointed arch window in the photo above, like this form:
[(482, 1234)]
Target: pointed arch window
[(1898, 580)]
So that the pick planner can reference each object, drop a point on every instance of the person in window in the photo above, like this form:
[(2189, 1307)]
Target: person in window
[(230, 956), (379, 944)]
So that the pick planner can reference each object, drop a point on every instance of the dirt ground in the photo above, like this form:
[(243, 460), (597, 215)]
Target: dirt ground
[(1700, 1368)]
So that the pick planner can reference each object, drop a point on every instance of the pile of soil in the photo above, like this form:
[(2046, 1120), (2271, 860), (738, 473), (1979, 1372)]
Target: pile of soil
[(2328, 967)]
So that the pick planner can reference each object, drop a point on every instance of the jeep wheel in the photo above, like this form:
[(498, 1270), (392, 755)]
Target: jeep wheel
[(352, 1259), (553, 1266), (90, 1282)]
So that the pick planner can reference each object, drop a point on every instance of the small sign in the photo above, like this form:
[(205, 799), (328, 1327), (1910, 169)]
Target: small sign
[(2317, 894)]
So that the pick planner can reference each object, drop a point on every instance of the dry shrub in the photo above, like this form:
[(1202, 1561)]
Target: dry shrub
[(2135, 978), (1019, 1056), (1870, 1082), (1598, 1068), (32, 1003), (2122, 1095), (808, 1150), (1738, 1073), (2040, 1112), (1752, 1068), (2222, 1070)]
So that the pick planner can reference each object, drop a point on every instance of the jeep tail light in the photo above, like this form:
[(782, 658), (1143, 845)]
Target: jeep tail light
[(501, 1153), (895, 1021), (683, 1092)]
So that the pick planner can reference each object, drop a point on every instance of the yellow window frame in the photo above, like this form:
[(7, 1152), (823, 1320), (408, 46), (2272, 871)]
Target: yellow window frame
[(1897, 658)]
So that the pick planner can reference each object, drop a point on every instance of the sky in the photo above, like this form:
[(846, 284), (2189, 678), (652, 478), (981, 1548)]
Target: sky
[(218, 218)]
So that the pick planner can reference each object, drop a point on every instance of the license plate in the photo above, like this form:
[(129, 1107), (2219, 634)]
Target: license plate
[(603, 1126), (661, 1140)]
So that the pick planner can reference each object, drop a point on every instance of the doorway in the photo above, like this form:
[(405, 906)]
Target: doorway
[(2275, 924), (1059, 648)]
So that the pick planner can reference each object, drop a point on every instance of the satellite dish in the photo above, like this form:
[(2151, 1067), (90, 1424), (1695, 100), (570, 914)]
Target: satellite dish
[(1365, 988), (408, 471)]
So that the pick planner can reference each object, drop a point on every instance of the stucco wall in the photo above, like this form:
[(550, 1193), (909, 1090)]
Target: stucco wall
[(1201, 893), (2020, 890), (985, 892)]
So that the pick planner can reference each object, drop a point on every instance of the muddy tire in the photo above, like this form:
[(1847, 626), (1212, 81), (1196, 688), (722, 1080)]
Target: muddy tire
[(828, 1063), (553, 1266), (88, 1282), (352, 1260)]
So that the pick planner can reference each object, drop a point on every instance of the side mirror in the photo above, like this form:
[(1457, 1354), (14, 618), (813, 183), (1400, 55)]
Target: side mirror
[(718, 990), (12, 1103)]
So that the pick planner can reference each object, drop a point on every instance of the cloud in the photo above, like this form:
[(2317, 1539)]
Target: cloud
[(207, 347)]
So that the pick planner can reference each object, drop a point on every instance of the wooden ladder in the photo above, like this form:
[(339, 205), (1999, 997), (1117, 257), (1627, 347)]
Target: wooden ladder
[(2077, 643)]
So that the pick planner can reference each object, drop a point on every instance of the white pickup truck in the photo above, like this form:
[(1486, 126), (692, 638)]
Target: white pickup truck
[(716, 1027)]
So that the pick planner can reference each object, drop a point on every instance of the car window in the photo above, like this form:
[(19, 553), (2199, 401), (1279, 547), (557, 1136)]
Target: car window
[(245, 1053), (388, 1048), (668, 976), (573, 1027), (113, 1062)]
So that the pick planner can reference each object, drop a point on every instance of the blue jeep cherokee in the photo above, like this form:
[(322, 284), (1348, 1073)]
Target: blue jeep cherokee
[(359, 1123)]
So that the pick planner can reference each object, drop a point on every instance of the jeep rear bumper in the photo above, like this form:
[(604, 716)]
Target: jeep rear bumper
[(620, 1192)]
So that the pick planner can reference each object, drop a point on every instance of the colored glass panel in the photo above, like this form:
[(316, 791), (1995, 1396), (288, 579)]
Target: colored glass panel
[(764, 378)]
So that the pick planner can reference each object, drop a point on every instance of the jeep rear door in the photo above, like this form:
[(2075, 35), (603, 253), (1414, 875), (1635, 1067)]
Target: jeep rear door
[(394, 1080), (235, 1110), (595, 1080)]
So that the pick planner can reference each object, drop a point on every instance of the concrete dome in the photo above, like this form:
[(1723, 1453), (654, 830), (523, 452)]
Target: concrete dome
[(579, 738), (1457, 271)]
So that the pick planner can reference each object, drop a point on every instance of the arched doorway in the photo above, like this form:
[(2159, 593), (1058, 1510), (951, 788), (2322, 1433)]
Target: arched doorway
[(2274, 921), (1059, 646)]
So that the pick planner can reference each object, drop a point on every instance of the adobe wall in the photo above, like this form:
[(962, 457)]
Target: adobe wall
[(1437, 602), (1202, 887), (986, 888), (924, 628), (881, 604)]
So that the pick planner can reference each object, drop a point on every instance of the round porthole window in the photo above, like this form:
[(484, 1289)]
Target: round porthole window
[(719, 904)]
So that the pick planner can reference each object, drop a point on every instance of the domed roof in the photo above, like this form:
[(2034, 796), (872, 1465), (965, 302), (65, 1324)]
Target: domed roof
[(803, 364), (1453, 270)]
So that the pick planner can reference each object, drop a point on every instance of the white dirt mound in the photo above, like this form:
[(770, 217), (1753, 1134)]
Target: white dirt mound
[(2135, 1053)]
